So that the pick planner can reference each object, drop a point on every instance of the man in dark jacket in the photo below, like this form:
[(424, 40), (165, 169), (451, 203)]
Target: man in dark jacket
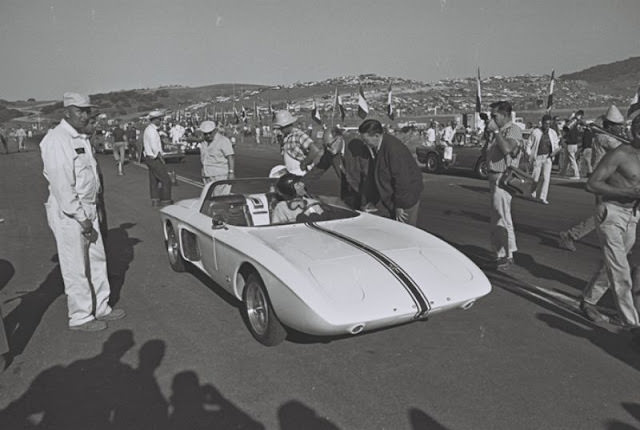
[(397, 177)]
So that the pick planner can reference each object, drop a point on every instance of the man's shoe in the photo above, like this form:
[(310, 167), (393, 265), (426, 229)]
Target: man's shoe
[(504, 263), (544, 202), (115, 314), (565, 242), (155, 203), (93, 325), (592, 313)]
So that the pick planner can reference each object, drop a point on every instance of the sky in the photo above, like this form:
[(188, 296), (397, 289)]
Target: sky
[(48, 47)]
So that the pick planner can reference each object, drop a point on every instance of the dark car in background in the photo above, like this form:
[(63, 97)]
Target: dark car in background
[(470, 156)]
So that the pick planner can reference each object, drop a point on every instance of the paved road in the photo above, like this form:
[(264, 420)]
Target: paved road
[(518, 359)]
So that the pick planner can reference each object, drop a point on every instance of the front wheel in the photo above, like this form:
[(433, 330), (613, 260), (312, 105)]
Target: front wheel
[(176, 261), (432, 165), (261, 319), (482, 170)]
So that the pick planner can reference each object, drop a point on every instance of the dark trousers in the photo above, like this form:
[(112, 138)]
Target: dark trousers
[(159, 180)]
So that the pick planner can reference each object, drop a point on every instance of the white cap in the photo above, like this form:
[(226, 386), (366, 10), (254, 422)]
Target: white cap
[(613, 115), (75, 99), (207, 126), (278, 171)]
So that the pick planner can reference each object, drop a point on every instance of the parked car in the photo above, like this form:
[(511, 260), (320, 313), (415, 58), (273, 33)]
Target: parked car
[(344, 273), (465, 157), (172, 153), (471, 156)]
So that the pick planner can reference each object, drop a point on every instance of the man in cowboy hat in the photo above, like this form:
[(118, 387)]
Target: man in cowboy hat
[(71, 170), (216, 154), (602, 143), (159, 179), (616, 181), (298, 149)]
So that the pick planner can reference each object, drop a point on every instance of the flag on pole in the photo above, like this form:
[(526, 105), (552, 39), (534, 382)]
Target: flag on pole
[(634, 107), (337, 105), (363, 106), (243, 114), (478, 94), (390, 112), (315, 114), (256, 114), (236, 118), (550, 95), (272, 112)]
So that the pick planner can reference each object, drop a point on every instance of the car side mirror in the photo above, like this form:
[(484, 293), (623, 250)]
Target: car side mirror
[(217, 223)]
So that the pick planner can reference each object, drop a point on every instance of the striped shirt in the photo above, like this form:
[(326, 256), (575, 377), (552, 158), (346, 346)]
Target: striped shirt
[(496, 160), (295, 149)]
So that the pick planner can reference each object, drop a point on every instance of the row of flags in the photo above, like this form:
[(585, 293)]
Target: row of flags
[(363, 105)]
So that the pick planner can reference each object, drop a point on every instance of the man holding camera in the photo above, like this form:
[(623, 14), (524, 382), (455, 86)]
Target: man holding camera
[(71, 170), (504, 151)]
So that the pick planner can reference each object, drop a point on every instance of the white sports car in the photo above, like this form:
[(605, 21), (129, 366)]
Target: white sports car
[(343, 272)]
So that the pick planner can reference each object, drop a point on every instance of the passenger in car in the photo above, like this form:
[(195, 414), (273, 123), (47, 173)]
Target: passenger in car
[(296, 204)]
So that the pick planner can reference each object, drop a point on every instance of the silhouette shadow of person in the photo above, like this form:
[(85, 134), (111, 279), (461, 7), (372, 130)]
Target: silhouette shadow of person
[(295, 415), (120, 254), (143, 406), (22, 322), (81, 396), (198, 407), (6, 273)]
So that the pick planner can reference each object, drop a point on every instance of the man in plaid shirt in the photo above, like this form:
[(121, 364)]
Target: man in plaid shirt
[(505, 150), (300, 152)]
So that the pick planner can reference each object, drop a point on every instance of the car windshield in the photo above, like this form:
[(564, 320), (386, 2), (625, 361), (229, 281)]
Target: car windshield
[(251, 202)]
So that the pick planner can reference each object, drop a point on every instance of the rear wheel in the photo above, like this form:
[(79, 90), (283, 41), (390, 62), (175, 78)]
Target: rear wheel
[(173, 250), (432, 164), (261, 319)]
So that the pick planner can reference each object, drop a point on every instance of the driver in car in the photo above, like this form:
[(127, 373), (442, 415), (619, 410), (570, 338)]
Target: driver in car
[(296, 200)]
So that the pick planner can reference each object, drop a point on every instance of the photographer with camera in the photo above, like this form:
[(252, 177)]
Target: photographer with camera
[(503, 151)]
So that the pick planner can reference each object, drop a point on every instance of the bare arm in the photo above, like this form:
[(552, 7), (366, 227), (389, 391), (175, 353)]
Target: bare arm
[(597, 183)]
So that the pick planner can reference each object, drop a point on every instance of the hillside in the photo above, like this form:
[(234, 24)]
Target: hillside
[(618, 78), (593, 87)]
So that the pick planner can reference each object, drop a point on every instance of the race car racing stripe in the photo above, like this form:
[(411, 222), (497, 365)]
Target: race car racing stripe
[(403, 277)]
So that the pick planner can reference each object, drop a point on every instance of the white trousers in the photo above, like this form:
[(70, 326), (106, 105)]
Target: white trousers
[(502, 233), (83, 266), (542, 164), (617, 232)]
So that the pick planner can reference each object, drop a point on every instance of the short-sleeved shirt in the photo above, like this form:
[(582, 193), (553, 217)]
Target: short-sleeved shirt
[(118, 134), (497, 161), (295, 148), (214, 155)]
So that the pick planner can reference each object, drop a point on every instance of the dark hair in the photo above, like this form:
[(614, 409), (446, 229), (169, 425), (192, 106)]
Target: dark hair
[(546, 117), (579, 112), (286, 185), (483, 116), (502, 106), (635, 125), (371, 126)]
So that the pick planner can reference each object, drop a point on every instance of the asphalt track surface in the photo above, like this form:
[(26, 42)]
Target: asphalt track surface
[(521, 358)]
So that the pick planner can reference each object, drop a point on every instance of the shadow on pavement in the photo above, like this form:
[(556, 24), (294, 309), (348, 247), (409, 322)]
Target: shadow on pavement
[(634, 410), (617, 345), (421, 421), (119, 249), (103, 392), (295, 415), (546, 272), (22, 322)]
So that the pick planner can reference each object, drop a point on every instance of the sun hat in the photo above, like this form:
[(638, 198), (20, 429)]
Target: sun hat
[(155, 114), (207, 126), (613, 115), (75, 99), (283, 119)]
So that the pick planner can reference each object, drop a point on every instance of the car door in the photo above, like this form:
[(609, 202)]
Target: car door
[(467, 156)]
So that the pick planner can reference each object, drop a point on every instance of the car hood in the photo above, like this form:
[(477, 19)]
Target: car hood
[(339, 260)]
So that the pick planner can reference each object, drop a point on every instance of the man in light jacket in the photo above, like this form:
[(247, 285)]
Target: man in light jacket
[(542, 146)]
